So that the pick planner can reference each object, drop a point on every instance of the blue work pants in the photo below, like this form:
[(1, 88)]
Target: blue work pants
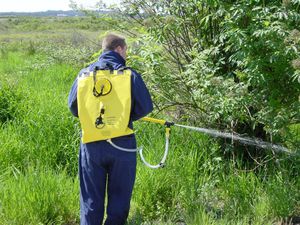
[(104, 169)]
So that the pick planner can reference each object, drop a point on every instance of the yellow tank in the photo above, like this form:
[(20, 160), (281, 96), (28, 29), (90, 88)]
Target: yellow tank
[(104, 104)]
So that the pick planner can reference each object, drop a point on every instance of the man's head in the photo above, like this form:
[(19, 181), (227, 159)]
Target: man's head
[(115, 43)]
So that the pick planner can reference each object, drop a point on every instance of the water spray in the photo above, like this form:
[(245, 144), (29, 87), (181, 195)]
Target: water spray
[(215, 133)]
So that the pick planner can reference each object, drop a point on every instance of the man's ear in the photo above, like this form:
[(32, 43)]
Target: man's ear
[(118, 49)]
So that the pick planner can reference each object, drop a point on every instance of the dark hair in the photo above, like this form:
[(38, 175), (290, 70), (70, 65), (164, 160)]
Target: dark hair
[(112, 41)]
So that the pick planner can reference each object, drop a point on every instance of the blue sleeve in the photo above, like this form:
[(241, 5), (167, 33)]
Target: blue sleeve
[(141, 99), (72, 100)]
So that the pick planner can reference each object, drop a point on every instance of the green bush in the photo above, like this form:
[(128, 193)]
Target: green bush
[(228, 65)]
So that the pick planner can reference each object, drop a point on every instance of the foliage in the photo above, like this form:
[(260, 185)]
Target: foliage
[(28, 23), (67, 53), (230, 65)]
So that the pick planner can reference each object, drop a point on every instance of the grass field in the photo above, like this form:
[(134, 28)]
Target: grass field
[(39, 142)]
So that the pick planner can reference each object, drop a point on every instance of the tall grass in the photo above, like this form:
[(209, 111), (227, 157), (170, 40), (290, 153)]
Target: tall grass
[(38, 162), (38, 196), (44, 127)]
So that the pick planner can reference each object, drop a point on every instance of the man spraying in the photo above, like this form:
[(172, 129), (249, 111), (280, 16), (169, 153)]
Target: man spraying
[(107, 97)]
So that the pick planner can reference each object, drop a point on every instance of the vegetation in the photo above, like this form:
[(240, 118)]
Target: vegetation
[(231, 66)]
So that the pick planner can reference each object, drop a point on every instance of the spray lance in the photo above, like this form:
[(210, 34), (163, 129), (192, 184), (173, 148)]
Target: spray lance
[(215, 133)]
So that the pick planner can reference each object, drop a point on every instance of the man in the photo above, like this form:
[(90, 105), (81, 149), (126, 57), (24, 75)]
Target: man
[(101, 166)]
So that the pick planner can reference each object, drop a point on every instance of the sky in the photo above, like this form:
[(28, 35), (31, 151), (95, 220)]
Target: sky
[(44, 5)]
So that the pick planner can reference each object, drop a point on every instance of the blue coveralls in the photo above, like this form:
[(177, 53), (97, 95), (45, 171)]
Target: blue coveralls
[(101, 165)]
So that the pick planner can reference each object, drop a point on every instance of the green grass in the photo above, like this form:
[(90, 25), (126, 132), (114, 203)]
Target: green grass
[(38, 196), (39, 141)]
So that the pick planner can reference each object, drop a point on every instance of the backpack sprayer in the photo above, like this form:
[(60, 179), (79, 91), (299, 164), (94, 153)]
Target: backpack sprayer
[(104, 113)]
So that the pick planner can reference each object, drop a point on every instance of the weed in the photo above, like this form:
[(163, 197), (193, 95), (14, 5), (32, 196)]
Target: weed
[(10, 98), (31, 49)]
